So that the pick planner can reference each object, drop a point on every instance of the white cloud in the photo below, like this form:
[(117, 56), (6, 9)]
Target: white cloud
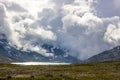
[(112, 34), (83, 27), (44, 34)]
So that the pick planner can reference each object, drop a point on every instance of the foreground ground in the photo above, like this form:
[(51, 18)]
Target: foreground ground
[(93, 71)]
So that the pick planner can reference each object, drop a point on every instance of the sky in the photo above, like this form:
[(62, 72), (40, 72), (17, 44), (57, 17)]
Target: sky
[(83, 27)]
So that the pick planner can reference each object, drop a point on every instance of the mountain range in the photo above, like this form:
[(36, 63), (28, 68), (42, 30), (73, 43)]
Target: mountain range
[(11, 54)]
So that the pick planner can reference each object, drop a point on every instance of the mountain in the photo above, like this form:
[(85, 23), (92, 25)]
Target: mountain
[(4, 58), (109, 55), (11, 54)]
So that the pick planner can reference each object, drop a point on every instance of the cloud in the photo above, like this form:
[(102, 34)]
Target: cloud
[(112, 34), (82, 27)]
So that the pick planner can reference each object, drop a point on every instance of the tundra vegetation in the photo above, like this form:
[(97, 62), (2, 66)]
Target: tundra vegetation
[(109, 70)]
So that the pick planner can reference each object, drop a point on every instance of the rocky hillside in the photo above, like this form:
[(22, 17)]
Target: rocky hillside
[(113, 54)]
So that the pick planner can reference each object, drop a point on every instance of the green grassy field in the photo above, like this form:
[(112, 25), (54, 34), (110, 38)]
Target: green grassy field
[(91, 71)]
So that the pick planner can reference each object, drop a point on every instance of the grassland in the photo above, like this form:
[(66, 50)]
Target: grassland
[(91, 71)]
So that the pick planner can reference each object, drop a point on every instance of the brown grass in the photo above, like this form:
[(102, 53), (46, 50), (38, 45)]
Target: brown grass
[(93, 71)]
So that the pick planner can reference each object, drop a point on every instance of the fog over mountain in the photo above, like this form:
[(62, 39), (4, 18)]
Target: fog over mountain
[(82, 27)]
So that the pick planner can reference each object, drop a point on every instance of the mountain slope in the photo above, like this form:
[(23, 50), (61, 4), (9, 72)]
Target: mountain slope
[(11, 54), (113, 54), (4, 58)]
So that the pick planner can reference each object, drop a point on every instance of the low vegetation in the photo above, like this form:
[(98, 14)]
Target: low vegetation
[(90, 71)]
